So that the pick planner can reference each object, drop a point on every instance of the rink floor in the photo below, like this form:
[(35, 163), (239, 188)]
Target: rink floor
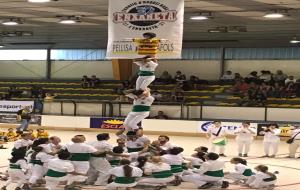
[(289, 169)]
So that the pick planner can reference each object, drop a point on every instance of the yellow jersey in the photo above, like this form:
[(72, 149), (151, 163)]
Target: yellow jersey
[(147, 46)]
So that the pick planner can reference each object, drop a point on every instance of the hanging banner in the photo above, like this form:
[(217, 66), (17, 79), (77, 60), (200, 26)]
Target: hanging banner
[(130, 21), (14, 106)]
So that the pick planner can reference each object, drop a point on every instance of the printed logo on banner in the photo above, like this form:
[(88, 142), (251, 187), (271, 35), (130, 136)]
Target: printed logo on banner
[(145, 15), (106, 123)]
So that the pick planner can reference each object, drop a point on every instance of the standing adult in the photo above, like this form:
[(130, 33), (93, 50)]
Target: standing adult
[(217, 133), (24, 115), (244, 138), (271, 140), (295, 134)]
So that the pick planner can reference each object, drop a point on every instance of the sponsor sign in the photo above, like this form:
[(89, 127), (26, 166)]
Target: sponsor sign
[(230, 127), (106, 123), (130, 19), (15, 106), (285, 129)]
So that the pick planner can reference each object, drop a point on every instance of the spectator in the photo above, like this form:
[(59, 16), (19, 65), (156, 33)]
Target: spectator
[(160, 115), (167, 97), (290, 79), (194, 82), (165, 78), (5, 97), (186, 86), (158, 97), (179, 97), (94, 81), (240, 87), (228, 76), (265, 76), (252, 77), (290, 90), (179, 77), (13, 91), (49, 97), (85, 81), (277, 90), (279, 76), (35, 91), (237, 76)]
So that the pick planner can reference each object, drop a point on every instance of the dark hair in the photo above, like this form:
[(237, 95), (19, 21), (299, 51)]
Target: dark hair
[(176, 150), (40, 141), (36, 150), (239, 160), (264, 169), (150, 34), (102, 136), (17, 154), (203, 148), (212, 156), (64, 154), (141, 161), (138, 92), (165, 136), (274, 124), (126, 167), (201, 155), (131, 133), (247, 122), (118, 150)]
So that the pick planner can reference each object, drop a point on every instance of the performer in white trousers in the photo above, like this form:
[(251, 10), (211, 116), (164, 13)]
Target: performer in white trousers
[(159, 173), (296, 143), (146, 74), (210, 172), (124, 175), (59, 170), (99, 165), (244, 138), (141, 109), (215, 132), (175, 159), (262, 178), (271, 140), (80, 156), (241, 170)]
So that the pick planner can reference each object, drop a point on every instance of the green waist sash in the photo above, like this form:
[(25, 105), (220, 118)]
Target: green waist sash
[(146, 73), (270, 179), (247, 172), (218, 173), (176, 168), (80, 157), (102, 155), (53, 173), (135, 149), (140, 108), (124, 180), (114, 162), (36, 162), (15, 166), (162, 174)]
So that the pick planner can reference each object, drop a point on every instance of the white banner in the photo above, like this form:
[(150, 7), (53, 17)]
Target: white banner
[(14, 106), (130, 19), (230, 127)]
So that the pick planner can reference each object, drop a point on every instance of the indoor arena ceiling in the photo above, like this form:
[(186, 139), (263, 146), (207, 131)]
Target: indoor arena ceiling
[(40, 28)]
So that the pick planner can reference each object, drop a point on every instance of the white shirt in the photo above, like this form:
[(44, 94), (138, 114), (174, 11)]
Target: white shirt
[(156, 167), (80, 148), (44, 157), (270, 137), (119, 172), (294, 132), (148, 66), (145, 101), (23, 164), (22, 143), (227, 77), (172, 159), (167, 146), (214, 132), (259, 177), (240, 168), (46, 148), (289, 80), (194, 161), (244, 134), (59, 165), (211, 165), (102, 146)]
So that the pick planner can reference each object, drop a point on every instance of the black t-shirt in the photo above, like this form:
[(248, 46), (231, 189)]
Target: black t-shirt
[(24, 114)]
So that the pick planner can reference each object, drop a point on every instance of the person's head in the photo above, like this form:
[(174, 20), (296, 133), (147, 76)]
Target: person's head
[(178, 72), (93, 76), (237, 160), (279, 72), (40, 130), (273, 126), (211, 156), (64, 155), (201, 149), (26, 136), (165, 73), (118, 149), (131, 135), (291, 77), (246, 124), (126, 167), (103, 137), (253, 73), (200, 155), (10, 130), (121, 142), (149, 35), (217, 124), (175, 150), (160, 113), (78, 139), (163, 139), (237, 75), (138, 93), (141, 161), (27, 108), (55, 140), (18, 154), (43, 140), (228, 72), (262, 168), (84, 76)]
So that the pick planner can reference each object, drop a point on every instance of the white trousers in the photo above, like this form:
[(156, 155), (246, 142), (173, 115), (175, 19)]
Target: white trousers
[(244, 146), (133, 118), (52, 183), (81, 167), (293, 148), (16, 176), (235, 176), (98, 172), (199, 179), (143, 82), (213, 148), (271, 145), (150, 181), (114, 185), (37, 172), (252, 182)]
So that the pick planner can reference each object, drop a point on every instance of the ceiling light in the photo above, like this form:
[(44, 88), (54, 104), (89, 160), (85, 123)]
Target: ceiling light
[(2, 46), (39, 1), (200, 17), (274, 15), (12, 22), (69, 20), (294, 40)]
